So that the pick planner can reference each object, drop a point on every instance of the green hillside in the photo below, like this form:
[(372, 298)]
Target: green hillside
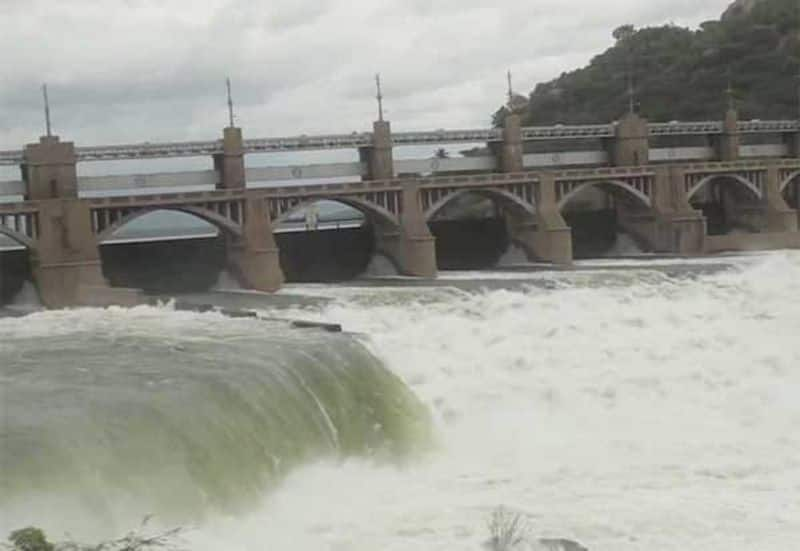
[(679, 73)]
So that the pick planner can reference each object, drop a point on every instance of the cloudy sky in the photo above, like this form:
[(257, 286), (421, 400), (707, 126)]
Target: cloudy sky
[(122, 71)]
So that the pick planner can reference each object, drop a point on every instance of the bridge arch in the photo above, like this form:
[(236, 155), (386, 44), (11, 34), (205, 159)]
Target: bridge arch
[(220, 222), (372, 212), (789, 179), (17, 237), (640, 197), (501, 197), (711, 177)]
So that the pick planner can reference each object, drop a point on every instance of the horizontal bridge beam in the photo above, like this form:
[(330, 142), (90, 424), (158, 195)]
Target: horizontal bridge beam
[(356, 140)]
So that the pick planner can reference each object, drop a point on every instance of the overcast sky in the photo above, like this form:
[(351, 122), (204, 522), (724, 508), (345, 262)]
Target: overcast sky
[(122, 71)]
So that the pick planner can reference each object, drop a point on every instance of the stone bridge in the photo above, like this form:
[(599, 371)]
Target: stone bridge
[(656, 193)]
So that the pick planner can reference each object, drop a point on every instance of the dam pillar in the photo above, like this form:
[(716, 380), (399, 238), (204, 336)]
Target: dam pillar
[(253, 257), (66, 263), (779, 217), (678, 228), (49, 170), (377, 158), (510, 151), (229, 164), (411, 246), (726, 145), (630, 145), (547, 237)]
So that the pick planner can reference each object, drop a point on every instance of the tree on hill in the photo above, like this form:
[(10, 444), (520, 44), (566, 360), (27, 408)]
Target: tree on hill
[(679, 73)]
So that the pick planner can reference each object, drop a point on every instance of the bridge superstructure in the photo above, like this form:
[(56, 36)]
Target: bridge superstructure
[(533, 174)]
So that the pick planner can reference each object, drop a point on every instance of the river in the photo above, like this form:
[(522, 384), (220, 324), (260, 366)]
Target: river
[(629, 405)]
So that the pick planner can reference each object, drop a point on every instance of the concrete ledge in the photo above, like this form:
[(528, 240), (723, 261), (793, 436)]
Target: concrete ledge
[(752, 242), (100, 297)]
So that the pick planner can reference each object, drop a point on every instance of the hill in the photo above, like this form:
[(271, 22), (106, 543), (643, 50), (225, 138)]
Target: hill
[(680, 73)]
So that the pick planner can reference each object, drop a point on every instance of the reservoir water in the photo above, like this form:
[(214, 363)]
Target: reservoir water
[(628, 405)]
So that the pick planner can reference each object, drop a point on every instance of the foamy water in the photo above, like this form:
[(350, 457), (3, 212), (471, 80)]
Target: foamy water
[(627, 410), (660, 415)]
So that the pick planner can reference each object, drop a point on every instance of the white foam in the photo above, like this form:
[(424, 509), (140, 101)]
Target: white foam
[(657, 415)]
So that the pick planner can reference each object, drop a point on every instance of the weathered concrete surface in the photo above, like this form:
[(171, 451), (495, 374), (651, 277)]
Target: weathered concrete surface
[(630, 146), (229, 164), (49, 169), (66, 257), (411, 247), (254, 258)]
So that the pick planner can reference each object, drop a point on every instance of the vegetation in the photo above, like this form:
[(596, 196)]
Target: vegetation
[(34, 539), (506, 530), (682, 74)]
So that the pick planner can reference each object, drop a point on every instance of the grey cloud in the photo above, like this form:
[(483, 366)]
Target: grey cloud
[(152, 69)]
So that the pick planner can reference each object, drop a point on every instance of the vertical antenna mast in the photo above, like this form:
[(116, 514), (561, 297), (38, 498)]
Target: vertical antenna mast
[(46, 110), (510, 91), (631, 93), (379, 96), (729, 93), (230, 102)]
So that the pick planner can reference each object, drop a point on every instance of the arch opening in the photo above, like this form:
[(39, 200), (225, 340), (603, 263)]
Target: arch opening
[(16, 276), (608, 221), (791, 191), (472, 228), (729, 204), (165, 251), (330, 240)]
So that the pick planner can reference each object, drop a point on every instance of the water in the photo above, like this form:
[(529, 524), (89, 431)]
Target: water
[(627, 405)]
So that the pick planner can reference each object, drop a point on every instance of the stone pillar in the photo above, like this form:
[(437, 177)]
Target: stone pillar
[(678, 227), (779, 216), (547, 237), (726, 145), (378, 157), (66, 262), (510, 157), (413, 247), (253, 257), (49, 170), (630, 145), (230, 163)]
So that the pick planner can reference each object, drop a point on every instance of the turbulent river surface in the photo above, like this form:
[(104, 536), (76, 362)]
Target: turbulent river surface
[(648, 405)]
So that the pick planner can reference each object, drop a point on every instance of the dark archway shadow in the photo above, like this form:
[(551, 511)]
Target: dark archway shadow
[(607, 222), (165, 251), (325, 241), (724, 202), (15, 270), (471, 231)]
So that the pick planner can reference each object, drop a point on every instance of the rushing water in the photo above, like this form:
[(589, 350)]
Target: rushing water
[(629, 409)]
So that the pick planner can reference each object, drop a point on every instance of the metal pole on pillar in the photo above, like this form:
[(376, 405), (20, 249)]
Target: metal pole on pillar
[(510, 92), (379, 96), (46, 110), (230, 102)]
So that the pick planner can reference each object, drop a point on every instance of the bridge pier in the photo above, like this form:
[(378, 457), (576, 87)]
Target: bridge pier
[(253, 257), (509, 152), (779, 217), (673, 226), (726, 145), (546, 238), (66, 262), (630, 145), (230, 163), (378, 158), (412, 246)]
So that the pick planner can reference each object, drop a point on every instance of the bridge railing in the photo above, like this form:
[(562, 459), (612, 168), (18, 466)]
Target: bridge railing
[(364, 139)]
